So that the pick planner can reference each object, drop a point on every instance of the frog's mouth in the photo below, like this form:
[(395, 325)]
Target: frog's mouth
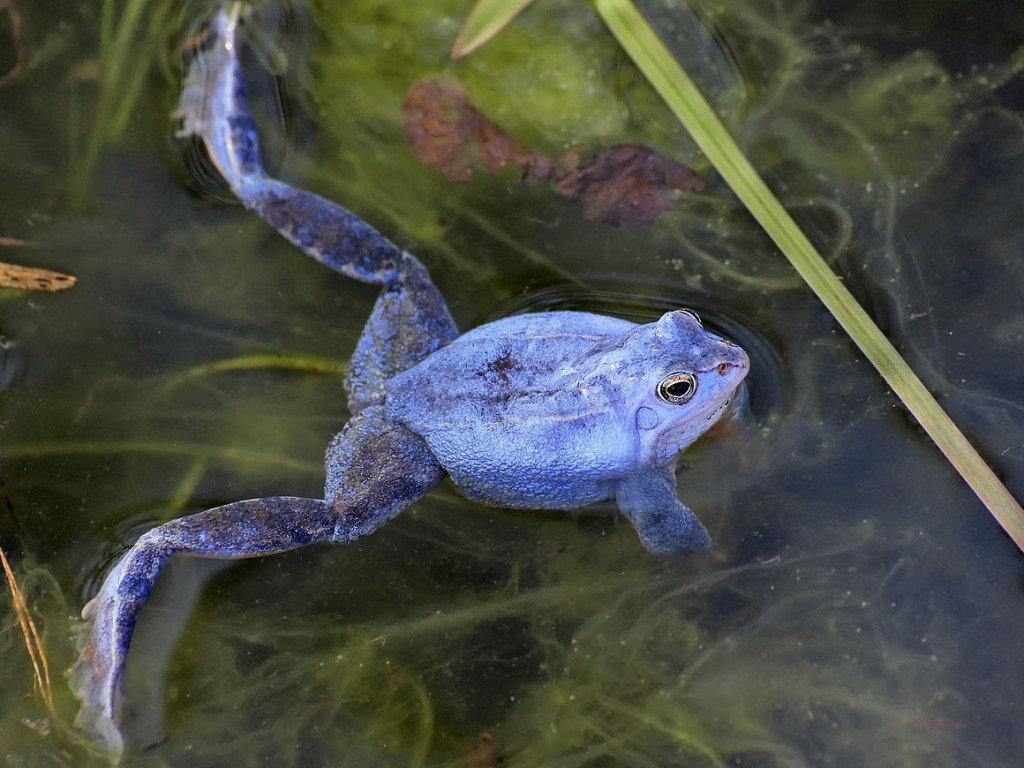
[(676, 438)]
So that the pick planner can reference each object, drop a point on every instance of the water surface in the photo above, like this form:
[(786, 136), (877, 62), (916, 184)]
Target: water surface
[(860, 608)]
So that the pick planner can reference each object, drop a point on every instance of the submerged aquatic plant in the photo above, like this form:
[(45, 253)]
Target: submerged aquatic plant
[(811, 639), (16, 42), (131, 34)]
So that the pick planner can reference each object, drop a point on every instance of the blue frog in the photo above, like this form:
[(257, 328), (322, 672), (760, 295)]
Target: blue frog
[(549, 410)]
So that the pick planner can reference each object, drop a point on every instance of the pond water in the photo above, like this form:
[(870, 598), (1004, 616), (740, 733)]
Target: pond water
[(859, 608)]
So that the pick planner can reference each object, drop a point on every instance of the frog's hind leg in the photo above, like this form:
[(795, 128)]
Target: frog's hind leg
[(411, 319), (375, 470), (242, 529), (214, 107)]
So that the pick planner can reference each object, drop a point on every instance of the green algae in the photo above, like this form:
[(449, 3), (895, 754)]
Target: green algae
[(811, 638)]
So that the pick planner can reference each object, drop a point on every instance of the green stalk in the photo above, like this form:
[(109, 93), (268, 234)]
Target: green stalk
[(661, 69)]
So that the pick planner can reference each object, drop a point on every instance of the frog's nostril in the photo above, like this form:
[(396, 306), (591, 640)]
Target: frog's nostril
[(723, 368)]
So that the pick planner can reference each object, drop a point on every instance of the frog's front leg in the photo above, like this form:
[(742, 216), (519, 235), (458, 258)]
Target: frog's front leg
[(375, 469), (665, 524)]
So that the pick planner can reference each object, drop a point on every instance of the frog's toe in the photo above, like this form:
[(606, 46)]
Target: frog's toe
[(191, 105)]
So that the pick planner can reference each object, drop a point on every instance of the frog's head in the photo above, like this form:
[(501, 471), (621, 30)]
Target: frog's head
[(682, 379)]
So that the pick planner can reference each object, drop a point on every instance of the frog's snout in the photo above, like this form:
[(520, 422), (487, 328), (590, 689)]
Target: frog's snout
[(736, 362)]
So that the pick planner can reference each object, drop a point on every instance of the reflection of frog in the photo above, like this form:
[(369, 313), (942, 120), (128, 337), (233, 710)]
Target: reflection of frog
[(550, 410)]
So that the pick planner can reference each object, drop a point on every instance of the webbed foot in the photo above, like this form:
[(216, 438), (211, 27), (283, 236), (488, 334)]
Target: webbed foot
[(213, 105), (95, 677)]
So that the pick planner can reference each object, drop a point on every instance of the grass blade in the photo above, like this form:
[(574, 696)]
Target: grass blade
[(487, 19), (660, 68)]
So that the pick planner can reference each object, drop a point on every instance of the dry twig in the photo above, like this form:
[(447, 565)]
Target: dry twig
[(33, 642), (33, 278)]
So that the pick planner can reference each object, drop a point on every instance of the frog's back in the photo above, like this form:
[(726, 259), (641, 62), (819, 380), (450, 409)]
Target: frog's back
[(506, 413)]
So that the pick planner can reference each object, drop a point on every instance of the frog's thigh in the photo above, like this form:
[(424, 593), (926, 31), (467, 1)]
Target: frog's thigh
[(409, 321), (375, 469), (665, 524)]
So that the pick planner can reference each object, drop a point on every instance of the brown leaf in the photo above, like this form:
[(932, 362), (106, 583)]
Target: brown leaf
[(33, 278), (626, 185), (450, 134)]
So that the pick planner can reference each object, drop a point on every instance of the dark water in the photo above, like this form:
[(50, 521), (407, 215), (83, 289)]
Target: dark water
[(860, 607)]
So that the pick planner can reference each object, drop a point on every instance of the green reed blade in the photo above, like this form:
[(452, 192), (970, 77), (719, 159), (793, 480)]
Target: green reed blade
[(487, 19), (661, 69)]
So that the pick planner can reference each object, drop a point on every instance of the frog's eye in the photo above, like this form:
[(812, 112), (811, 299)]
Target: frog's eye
[(677, 388)]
